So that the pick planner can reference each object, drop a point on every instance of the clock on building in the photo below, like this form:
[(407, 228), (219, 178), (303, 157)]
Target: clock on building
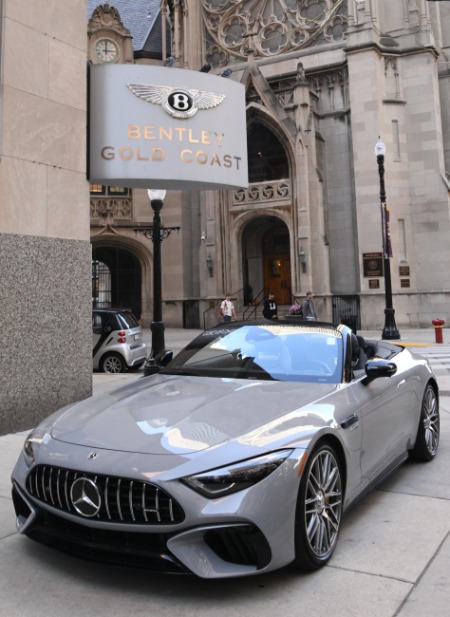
[(106, 50)]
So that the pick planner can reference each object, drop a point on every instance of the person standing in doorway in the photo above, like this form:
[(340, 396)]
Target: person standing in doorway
[(309, 310), (227, 309), (270, 308)]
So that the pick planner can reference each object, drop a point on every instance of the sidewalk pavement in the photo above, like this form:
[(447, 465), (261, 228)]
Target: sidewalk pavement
[(392, 559)]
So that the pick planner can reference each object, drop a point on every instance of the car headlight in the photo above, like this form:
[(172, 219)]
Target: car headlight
[(41, 434), (236, 477), (33, 441)]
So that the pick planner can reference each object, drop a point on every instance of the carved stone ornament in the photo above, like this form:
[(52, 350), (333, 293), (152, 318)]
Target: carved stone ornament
[(107, 17), (108, 208), (270, 27)]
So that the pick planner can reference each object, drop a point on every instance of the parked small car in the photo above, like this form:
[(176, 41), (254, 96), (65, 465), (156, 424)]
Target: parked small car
[(117, 343)]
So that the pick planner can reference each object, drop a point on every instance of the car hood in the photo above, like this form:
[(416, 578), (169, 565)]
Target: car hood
[(167, 414)]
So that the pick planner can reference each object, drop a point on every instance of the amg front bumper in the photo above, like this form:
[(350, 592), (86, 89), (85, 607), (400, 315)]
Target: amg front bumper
[(172, 530)]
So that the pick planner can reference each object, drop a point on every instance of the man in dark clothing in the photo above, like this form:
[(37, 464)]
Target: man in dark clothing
[(270, 308), (309, 310)]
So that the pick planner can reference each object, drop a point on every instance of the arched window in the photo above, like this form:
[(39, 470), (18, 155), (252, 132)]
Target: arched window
[(101, 285), (116, 279), (267, 158)]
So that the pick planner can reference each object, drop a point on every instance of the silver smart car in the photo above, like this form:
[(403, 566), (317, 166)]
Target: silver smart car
[(117, 342)]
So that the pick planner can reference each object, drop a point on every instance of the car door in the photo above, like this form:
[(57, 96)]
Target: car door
[(383, 407)]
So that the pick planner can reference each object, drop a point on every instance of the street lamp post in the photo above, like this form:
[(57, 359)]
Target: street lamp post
[(157, 327), (390, 331), (157, 233)]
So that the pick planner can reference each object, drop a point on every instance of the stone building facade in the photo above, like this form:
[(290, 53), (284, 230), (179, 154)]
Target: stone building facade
[(324, 79), (45, 253)]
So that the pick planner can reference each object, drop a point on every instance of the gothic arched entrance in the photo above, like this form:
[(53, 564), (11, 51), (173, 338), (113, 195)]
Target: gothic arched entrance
[(277, 263), (116, 279), (266, 260)]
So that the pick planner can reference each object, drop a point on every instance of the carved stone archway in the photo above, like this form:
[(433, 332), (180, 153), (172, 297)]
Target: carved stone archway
[(266, 259)]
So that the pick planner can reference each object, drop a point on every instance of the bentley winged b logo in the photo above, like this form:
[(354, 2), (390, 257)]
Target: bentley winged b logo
[(178, 102)]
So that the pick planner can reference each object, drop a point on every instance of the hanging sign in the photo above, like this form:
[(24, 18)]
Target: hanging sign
[(166, 127)]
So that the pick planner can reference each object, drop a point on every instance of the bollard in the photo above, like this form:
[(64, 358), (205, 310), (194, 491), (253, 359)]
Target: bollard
[(438, 329)]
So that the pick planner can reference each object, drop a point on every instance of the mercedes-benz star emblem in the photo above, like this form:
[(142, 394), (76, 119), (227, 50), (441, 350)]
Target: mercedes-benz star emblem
[(178, 102), (85, 497)]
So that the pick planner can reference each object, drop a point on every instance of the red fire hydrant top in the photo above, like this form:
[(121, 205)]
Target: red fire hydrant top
[(438, 327), (438, 323)]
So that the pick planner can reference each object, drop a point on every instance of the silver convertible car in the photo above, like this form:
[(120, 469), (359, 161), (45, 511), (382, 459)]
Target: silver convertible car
[(240, 457)]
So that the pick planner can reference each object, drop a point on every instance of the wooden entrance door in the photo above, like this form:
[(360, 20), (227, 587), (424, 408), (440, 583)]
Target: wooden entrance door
[(277, 278)]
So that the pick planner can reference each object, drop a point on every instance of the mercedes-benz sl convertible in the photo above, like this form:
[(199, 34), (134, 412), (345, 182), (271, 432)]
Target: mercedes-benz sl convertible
[(240, 457)]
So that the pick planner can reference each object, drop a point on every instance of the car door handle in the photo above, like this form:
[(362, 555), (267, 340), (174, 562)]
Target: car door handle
[(350, 421)]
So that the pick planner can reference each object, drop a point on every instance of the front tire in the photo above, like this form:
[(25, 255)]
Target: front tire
[(319, 509), (428, 432), (113, 363)]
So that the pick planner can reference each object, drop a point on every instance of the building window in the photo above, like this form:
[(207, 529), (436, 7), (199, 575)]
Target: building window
[(396, 140), (118, 190), (99, 189), (267, 160), (101, 285)]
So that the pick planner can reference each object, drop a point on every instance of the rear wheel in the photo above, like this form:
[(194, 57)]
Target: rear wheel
[(427, 440), (113, 363), (319, 509)]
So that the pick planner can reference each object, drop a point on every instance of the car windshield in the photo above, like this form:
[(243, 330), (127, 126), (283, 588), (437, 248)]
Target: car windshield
[(271, 352)]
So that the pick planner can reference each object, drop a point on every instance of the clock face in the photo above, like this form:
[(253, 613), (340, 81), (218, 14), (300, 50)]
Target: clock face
[(106, 50)]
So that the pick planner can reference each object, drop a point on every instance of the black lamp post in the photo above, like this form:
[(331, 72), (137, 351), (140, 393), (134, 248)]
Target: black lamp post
[(157, 233), (390, 331)]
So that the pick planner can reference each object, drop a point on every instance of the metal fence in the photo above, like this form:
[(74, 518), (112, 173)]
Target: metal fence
[(191, 314), (346, 310)]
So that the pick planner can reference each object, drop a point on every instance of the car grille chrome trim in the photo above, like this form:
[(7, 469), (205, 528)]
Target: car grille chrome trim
[(122, 500), (108, 512), (130, 500), (118, 499)]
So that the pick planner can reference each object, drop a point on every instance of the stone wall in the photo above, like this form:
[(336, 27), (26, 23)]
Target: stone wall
[(45, 254), (46, 327)]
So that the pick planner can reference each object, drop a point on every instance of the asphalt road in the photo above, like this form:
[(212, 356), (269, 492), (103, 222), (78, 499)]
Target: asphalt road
[(392, 560)]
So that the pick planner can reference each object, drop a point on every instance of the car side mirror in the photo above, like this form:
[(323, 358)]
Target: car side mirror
[(165, 358), (378, 368), (154, 365)]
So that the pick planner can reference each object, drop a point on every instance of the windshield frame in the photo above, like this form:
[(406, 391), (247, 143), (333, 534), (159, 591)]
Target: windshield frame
[(288, 352)]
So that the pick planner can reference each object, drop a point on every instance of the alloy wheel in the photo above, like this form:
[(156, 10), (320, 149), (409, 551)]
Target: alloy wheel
[(431, 424), (323, 503)]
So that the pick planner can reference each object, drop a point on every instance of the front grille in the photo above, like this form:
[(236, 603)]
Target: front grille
[(112, 499)]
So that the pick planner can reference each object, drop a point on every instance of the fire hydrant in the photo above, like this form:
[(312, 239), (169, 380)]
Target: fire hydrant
[(438, 329)]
